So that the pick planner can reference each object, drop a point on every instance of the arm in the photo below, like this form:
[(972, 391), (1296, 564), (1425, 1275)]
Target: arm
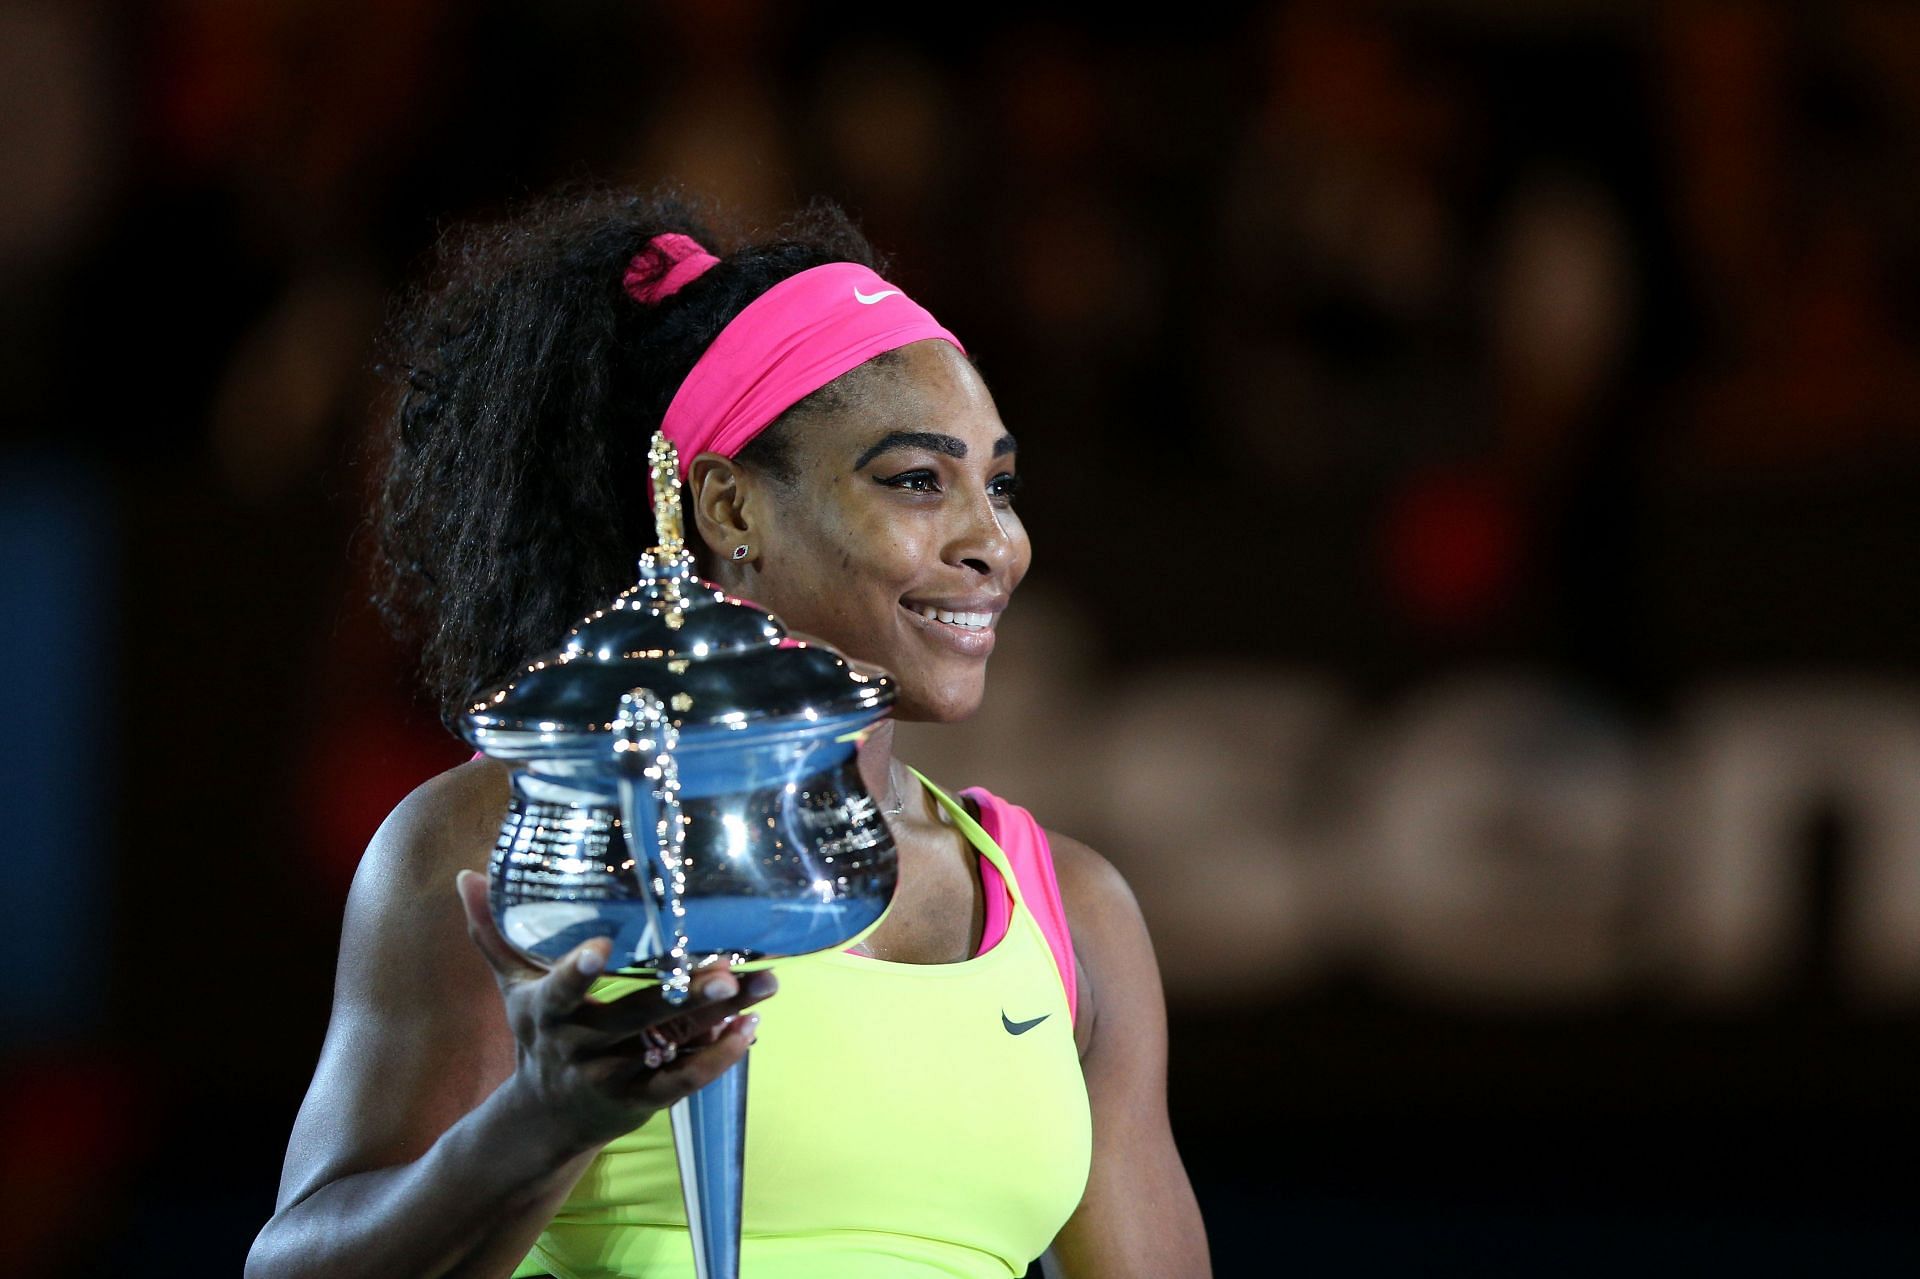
[(412, 1152), (461, 1091), (1139, 1218)]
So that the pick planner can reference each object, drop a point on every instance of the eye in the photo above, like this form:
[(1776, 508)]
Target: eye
[(1004, 487), (921, 481)]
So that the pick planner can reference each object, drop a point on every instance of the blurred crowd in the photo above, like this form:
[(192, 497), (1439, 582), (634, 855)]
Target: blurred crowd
[(1355, 350)]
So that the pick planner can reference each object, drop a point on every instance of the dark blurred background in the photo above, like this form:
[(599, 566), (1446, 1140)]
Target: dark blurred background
[(1472, 463)]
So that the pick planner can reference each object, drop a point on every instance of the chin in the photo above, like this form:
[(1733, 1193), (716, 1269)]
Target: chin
[(952, 706)]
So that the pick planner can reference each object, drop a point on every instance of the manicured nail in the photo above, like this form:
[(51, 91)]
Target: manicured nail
[(721, 987), (753, 1027), (589, 963)]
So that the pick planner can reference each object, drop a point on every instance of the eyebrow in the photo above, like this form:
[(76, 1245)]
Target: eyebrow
[(933, 441)]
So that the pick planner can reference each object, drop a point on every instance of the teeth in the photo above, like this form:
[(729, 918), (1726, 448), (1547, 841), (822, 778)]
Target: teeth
[(971, 621)]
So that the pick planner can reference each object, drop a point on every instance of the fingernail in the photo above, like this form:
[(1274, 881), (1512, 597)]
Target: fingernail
[(753, 1027), (721, 987), (762, 983), (590, 962)]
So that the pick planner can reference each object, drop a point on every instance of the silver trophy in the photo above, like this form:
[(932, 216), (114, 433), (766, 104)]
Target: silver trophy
[(686, 782)]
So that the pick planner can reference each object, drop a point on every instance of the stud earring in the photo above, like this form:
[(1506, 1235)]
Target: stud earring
[(739, 552)]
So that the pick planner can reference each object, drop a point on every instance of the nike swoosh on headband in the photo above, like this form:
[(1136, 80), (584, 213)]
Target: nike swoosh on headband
[(869, 301), (1021, 1027)]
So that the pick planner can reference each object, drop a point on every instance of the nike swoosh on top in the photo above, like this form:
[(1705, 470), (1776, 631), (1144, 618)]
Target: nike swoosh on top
[(861, 297), (1021, 1027)]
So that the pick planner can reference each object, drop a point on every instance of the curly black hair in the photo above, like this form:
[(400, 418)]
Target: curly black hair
[(513, 496)]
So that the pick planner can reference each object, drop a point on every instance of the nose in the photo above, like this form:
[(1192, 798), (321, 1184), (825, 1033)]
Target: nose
[(981, 540)]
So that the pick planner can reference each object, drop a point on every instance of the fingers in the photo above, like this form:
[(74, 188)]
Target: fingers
[(691, 1071), (692, 1030), (562, 995), (747, 1023), (715, 997), (509, 965), (708, 1025)]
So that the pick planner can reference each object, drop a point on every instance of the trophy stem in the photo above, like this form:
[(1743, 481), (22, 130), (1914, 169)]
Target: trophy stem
[(656, 907), (710, 1141), (644, 742)]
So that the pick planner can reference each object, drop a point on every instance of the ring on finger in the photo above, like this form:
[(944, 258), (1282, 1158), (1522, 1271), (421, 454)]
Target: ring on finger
[(660, 1049)]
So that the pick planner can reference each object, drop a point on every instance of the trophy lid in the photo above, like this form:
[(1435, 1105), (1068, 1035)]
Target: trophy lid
[(720, 664)]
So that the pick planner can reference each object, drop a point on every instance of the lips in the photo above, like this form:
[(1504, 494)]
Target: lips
[(963, 630)]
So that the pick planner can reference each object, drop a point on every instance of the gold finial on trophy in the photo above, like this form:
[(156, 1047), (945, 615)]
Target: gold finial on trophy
[(669, 560), (665, 460)]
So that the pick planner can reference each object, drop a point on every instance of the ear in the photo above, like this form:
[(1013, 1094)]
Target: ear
[(719, 496)]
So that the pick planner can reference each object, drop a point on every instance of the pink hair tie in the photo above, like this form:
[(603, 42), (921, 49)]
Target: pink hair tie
[(688, 263)]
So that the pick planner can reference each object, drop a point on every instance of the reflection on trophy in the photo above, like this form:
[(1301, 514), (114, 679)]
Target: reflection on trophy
[(687, 784)]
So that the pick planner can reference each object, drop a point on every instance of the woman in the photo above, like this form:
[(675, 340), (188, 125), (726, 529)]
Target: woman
[(844, 467)]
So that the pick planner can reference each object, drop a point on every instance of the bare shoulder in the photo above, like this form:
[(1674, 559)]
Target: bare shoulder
[(1113, 956), (1086, 878), (447, 822), (402, 893), (402, 909), (417, 1035)]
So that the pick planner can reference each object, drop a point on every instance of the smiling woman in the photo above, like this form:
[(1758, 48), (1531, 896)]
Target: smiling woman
[(867, 530), (996, 1042)]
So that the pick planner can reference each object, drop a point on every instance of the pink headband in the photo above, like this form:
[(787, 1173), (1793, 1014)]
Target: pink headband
[(789, 342)]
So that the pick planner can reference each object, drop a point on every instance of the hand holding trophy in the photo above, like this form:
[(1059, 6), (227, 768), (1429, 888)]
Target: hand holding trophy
[(686, 784), (601, 1067)]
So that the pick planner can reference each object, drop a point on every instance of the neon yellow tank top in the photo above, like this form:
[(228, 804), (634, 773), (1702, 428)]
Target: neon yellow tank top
[(896, 1126)]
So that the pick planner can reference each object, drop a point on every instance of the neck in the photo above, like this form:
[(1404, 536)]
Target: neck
[(877, 765)]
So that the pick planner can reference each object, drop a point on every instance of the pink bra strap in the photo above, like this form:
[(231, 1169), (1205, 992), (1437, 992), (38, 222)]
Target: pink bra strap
[(999, 911), (1024, 842)]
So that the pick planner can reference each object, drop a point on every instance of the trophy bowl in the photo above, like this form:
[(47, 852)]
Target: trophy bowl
[(687, 784)]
